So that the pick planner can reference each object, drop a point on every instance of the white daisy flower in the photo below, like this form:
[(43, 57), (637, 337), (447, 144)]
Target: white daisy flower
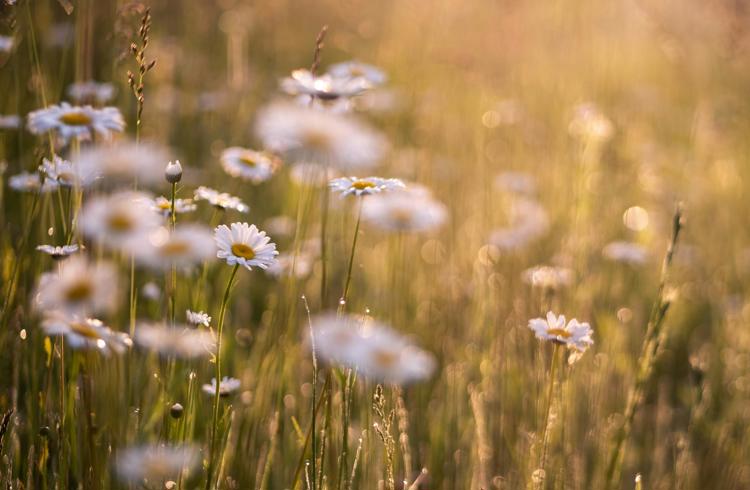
[(375, 350), (286, 264), (404, 211), (186, 246), (626, 252), (151, 291), (221, 200), (179, 341), (58, 252), (31, 182), (6, 44), (79, 286), (254, 166), (85, 333), (11, 121), (65, 173), (79, 122), (304, 134), (163, 206), (91, 92), (198, 318), (152, 466), (324, 87), (547, 277), (124, 162), (573, 334), (353, 70), (116, 219), (226, 387), (364, 186), (244, 245)]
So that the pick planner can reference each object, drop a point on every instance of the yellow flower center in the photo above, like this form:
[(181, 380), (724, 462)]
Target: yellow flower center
[(362, 184), (242, 250), (84, 330), (559, 332), (119, 222), (175, 248), (76, 118), (401, 216), (247, 160), (356, 71), (79, 291), (164, 205), (384, 358), (317, 140)]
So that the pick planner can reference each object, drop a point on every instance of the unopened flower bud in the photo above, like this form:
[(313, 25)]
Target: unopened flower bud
[(173, 173), (176, 411)]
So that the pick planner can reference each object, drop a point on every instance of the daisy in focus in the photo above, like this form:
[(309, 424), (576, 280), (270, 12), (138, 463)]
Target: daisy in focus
[(116, 219), (221, 200), (226, 387), (573, 334), (78, 287), (179, 341), (186, 246), (58, 252), (198, 318), (86, 333), (404, 212), (151, 466), (253, 166), (243, 244), (375, 350), (75, 122), (163, 206), (626, 252), (346, 186)]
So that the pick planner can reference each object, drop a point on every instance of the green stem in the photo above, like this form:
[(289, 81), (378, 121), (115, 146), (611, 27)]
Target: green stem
[(345, 296), (550, 392)]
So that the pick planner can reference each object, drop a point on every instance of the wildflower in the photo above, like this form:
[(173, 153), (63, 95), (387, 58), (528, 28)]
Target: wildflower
[(151, 466), (65, 173), (11, 121), (6, 44), (179, 341), (250, 165), (173, 172), (226, 387), (573, 334), (547, 277), (183, 247), (163, 206), (31, 182), (85, 333), (79, 122), (244, 245), (125, 162), (58, 252), (221, 200), (91, 92), (404, 211), (151, 291), (355, 70), (305, 134), (365, 186), (627, 252), (79, 287), (116, 219), (324, 87), (198, 318), (375, 350)]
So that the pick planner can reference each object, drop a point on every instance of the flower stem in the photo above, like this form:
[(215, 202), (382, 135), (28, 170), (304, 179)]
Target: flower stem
[(550, 392), (345, 296)]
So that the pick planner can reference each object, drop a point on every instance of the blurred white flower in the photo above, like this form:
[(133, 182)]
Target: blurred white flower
[(198, 318), (179, 341), (375, 350), (226, 387), (364, 186), (58, 252), (163, 206), (119, 218), (221, 200), (245, 245), (627, 252), (79, 122), (527, 221), (547, 277), (324, 87), (516, 182), (65, 173), (404, 211), (253, 166), (573, 334), (11, 121), (185, 246), (151, 291), (91, 92), (85, 333), (6, 44), (287, 264), (151, 466), (355, 70), (280, 226), (125, 162), (589, 123), (31, 182), (78, 286)]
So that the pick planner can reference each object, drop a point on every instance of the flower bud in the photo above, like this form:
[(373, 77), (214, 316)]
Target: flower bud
[(176, 411), (173, 173)]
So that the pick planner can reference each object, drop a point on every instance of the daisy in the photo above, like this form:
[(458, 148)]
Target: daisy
[(404, 211), (6, 44), (116, 219), (151, 466), (79, 122), (91, 92), (354, 70), (310, 135), (185, 246), (221, 200), (244, 245), (573, 334), (65, 173), (125, 162), (58, 252), (365, 186), (375, 350), (179, 341), (151, 291), (198, 318), (163, 206), (85, 333), (11, 121), (250, 165), (547, 277), (324, 87), (626, 252), (28, 182), (226, 387), (79, 287)]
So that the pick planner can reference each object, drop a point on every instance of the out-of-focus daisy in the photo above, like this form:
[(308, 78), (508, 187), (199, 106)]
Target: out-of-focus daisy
[(627, 252), (85, 333), (304, 134), (312, 174), (286, 263), (280, 226), (404, 211), (151, 466), (356, 70), (375, 350), (28, 182), (151, 291), (254, 166), (79, 287), (79, 122), (364, 186), (123, 162), (243, 244), (179, 341), (517, 182), (547, 277), (527, 221), (116, 219), (198, 318), (226, 387), (221, 200), (163, 206), (185, 246), (58, 252), (65, 173), (573, 334), (11, 121), (590, 123), (91, 92), (324, 87), (6, 44)]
